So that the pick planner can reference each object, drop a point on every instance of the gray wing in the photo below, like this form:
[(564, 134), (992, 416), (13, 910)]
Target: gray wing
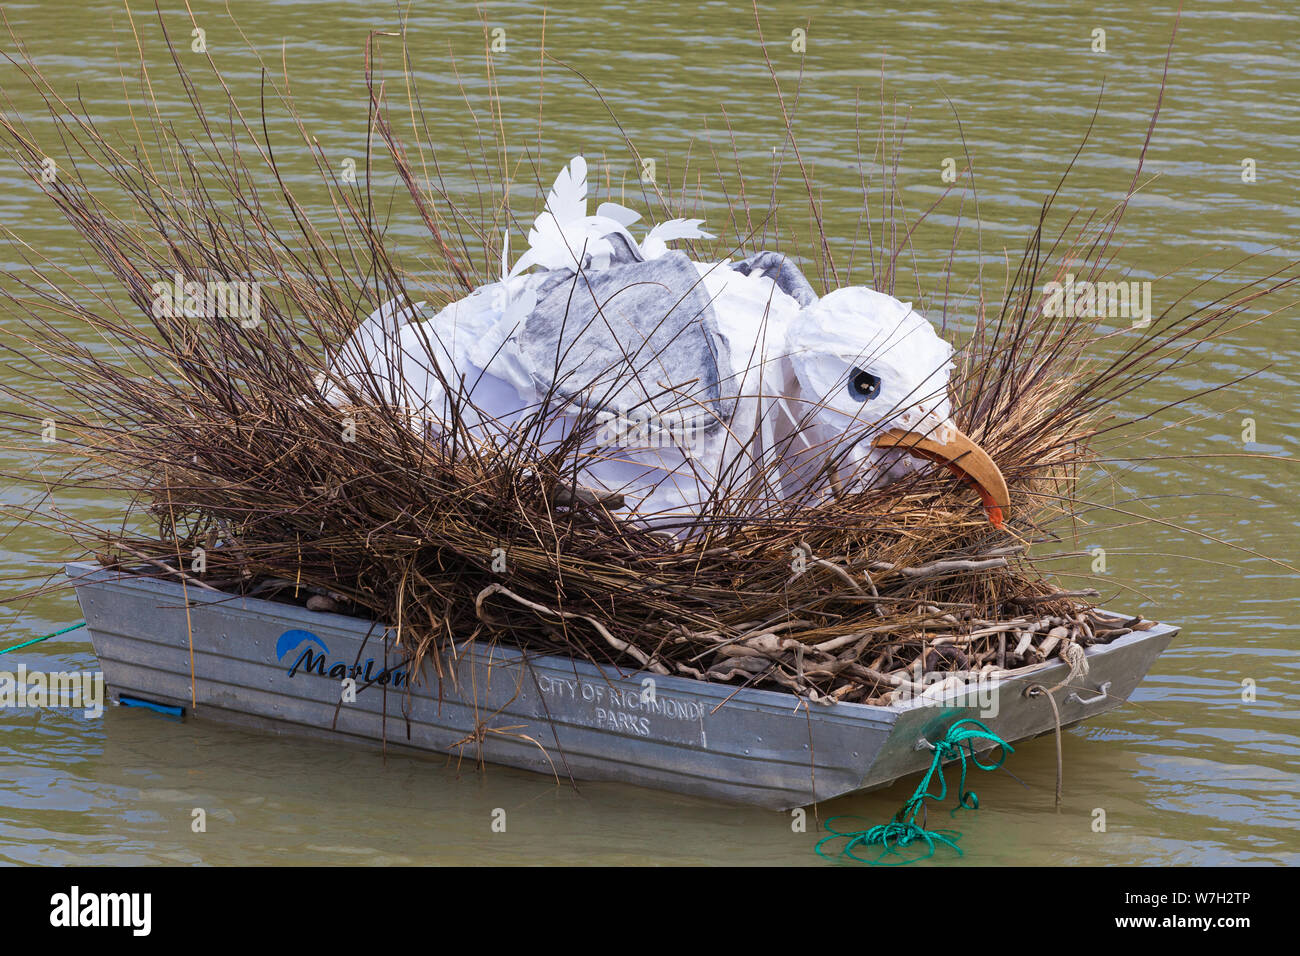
[(637, 337)]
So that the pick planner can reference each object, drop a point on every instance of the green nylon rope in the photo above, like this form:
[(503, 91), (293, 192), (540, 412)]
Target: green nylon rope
[(903, 830), (37, 640)]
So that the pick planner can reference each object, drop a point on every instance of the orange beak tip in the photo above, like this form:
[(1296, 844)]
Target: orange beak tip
[(964, 458)]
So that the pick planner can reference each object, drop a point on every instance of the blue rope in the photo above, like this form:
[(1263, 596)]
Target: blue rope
[(957, 744)]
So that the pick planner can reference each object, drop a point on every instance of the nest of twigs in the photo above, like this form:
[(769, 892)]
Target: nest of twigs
[(218, 435)]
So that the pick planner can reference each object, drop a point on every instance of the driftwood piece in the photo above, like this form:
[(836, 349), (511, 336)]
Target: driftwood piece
[(169, 569), (641, 657), (937, 568), (575, 496), (1028, 599), (322, 602)]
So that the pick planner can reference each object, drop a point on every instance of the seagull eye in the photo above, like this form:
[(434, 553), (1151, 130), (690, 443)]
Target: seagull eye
[(863, 386)]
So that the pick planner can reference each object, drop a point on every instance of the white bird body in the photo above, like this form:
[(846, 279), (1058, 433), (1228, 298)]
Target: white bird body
[(782, 400)]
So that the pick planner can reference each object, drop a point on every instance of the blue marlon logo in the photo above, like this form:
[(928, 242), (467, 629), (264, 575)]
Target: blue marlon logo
[(313, 658)]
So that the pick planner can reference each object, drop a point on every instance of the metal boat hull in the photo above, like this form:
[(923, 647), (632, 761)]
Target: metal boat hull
[(277, 667)]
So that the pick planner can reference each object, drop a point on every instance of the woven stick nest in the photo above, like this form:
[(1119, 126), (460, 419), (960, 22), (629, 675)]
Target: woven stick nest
[(218, 436)]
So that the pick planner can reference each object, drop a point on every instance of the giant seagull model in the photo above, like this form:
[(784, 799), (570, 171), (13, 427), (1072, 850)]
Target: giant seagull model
[(702, 377)]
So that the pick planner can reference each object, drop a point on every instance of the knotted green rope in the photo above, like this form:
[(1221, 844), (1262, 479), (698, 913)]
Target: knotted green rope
[(903, 830)]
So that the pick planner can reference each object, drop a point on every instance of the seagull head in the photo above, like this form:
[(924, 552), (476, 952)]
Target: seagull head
[(872, 379)]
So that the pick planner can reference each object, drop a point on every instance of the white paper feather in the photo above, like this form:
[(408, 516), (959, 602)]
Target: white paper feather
[(656, 241), (679, 229), (550, 239), (620, 214)]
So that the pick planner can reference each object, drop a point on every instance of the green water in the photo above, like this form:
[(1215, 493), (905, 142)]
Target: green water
[(1189, 773)]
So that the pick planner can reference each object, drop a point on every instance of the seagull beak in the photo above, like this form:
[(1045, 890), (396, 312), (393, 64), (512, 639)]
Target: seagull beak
[(961, 456)]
